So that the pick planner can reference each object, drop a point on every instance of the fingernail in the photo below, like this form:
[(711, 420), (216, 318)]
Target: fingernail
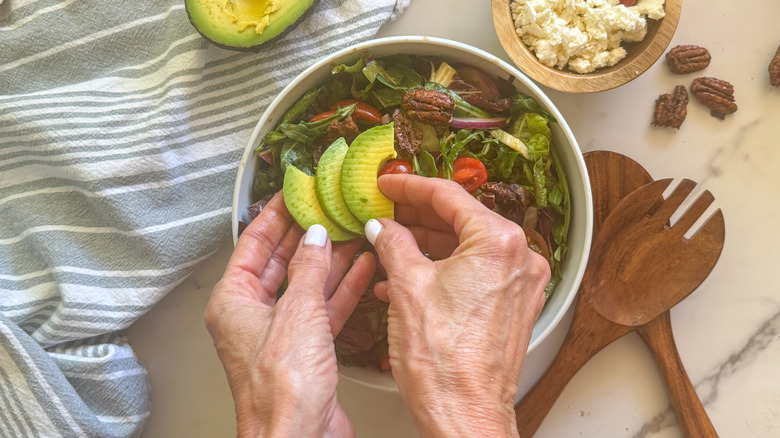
[(316, 235), (373, 228)]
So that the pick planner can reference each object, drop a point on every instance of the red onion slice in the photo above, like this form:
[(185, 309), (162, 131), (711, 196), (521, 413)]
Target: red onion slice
[(480, 79), (478, 123)]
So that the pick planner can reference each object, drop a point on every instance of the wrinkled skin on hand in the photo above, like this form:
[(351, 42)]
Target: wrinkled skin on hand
[(458, 327), (279, 356)]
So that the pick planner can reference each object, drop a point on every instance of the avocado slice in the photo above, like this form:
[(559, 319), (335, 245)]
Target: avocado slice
[(301, 201), (241, 24), (359, 171), (327, 185)]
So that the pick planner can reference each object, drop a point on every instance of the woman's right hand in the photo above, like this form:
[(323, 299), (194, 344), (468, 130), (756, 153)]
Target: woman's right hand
[(458, 327)]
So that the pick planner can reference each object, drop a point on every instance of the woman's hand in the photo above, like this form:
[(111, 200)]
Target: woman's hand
[(279, 355), (458, 327)]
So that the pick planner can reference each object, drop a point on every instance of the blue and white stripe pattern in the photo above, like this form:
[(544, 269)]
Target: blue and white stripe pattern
[(121, 129)]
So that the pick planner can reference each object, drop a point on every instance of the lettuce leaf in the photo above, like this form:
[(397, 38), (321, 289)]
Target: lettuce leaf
[(293, 143), (425, 165), (454, 145), (381, 81), (526, 104)]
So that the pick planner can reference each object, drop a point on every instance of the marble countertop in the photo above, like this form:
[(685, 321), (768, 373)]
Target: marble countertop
[(727, 331)]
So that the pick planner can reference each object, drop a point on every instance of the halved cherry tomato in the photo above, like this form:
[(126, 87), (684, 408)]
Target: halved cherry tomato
[(469, 172), (362, 110), (396, 166)]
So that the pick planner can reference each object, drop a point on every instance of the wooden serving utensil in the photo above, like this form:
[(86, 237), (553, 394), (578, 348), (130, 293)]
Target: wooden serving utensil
[(612, 177), (640, 267)]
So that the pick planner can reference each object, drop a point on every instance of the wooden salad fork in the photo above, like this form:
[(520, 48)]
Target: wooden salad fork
[(643, 266)]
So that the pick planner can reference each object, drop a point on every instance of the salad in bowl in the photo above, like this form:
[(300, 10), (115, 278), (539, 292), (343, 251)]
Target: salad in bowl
[(433, 108)]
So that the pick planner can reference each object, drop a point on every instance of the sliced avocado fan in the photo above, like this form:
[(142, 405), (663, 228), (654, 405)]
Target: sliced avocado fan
[(301, 200), (365, 156), (327, 185)]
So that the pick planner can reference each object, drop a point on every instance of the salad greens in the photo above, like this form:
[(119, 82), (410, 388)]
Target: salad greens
[(519, 151)]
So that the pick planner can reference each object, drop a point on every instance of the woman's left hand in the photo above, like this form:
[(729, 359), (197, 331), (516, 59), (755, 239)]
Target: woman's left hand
[(278, 354)]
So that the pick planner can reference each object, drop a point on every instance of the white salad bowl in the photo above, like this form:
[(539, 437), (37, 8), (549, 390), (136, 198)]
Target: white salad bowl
[(581, 225)]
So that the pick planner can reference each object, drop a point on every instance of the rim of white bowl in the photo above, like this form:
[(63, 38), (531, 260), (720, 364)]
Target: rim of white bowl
[(538, 94)]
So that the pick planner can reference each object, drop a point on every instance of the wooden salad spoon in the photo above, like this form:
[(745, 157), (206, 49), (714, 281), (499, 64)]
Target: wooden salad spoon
[(642, 266), (612, 177)]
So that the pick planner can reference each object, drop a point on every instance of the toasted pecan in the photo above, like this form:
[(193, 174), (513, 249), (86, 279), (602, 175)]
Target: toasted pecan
[(716, 94)]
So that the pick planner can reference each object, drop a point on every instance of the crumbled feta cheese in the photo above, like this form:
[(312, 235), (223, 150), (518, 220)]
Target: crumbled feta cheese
[(653, 9), (584, 34)]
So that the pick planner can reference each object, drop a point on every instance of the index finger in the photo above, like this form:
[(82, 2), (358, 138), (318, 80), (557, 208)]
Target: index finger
[(256, 245), (454, 205)]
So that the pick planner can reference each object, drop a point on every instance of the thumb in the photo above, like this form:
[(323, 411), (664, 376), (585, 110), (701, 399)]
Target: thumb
[(310, 265), (395, 245)]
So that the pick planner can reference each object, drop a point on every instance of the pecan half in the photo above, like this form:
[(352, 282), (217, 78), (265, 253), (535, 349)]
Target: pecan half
[(509, 194), (715, 94), (474, 96), (347, 129), (430, 107), (671, 109), (774, 69), (407, 138), (511, 200), (687, 58)]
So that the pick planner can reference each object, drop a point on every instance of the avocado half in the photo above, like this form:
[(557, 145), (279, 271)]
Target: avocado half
[(244, 24)]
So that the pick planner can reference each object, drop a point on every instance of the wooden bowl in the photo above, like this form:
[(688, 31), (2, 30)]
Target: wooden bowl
[(640, 55)]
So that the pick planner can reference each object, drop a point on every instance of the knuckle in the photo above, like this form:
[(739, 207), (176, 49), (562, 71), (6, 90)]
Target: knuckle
[(388, 240), (539, 269), (451, 185), (211, 316), (542, 264), (309, 262), (508, 237), (449, 188), (537, 265)]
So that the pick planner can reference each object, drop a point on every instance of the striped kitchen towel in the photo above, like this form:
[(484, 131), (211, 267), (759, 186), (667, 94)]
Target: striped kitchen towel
[(121, 129)]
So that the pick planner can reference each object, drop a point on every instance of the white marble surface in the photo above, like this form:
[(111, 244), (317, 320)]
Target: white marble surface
[(728, 331)]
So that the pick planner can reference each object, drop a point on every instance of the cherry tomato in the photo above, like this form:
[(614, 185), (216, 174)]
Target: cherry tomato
[(362, 110), (469, 172), (396, 166), (321, 116)]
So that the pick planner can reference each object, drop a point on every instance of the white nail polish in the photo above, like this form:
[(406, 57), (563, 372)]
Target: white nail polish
[(373, 228), (316, 235)]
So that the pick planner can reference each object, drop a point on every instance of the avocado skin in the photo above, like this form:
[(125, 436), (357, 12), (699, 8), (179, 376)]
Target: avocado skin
[(229, 37)]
